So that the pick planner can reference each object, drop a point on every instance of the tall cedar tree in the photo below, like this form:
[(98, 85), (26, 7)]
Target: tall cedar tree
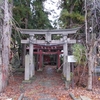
[(71, 14), (29, 14)]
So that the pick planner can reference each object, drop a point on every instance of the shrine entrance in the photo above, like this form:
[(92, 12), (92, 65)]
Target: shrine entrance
[(47, 55), (40, 50)]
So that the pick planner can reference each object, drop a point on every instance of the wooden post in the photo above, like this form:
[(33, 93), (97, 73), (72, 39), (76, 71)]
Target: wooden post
[(40, 60), (37, 67)]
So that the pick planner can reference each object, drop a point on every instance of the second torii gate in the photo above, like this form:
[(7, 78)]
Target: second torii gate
[(43, 50), (29, 64)]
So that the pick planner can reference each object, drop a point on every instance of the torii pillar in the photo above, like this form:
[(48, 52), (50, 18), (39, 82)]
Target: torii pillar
[(66, 66), (31, 62), (58, 57), (40, 60), (65, 54)]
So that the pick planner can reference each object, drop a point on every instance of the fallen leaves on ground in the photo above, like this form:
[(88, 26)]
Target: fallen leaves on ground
[(46, 85)]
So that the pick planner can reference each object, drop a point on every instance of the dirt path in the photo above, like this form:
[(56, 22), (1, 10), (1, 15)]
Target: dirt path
[(47, 85)]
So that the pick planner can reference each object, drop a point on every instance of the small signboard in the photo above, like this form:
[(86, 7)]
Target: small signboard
[(71, 58)]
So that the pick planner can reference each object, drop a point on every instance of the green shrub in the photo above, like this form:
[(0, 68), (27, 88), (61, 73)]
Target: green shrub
[(79, 53)]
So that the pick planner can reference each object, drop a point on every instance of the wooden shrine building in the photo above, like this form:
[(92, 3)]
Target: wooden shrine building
[(47, 46)]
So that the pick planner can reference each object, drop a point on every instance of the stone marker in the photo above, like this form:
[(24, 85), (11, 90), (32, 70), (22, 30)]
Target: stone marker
[(85, 98), (27, 77)]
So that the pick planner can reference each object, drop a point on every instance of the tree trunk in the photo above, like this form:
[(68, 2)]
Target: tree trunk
[(90, 69), (6, 29), (70, 19), (1, 30), (23, 54)]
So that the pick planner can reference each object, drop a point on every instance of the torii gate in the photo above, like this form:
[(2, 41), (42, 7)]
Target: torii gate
[(29, 64)]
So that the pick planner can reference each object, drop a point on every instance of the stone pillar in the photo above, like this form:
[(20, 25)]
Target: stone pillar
[(27, 69), (65, 53), (58, 54), (31, 63)]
